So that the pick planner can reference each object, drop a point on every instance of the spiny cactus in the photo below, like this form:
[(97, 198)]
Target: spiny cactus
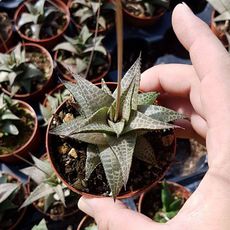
[(113, 142)]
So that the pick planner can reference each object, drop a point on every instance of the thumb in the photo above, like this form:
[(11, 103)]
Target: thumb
[(110, 215)]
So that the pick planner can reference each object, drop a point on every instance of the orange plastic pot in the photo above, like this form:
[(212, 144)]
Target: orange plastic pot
[(93, 79), (50, 42), (32, 144), (50, 142), (38, 94)]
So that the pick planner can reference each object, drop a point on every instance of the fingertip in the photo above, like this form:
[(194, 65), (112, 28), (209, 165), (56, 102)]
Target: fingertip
[(85, 206)]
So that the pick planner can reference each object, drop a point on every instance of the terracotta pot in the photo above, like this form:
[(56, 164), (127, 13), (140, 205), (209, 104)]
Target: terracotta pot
[(32, 143), (5, 45), (93, 79), (21, 211), (173, 187), (143, 21), (217, 31), (38, 94), (101, 31), (46, 42), (86, 220), (135, 192)]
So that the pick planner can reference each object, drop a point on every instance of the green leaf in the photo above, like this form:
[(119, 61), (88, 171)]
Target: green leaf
[(26, 18), (123, 148), (10, 128), (102, 22), (95, 6), (105, 88), (176, 205), (220, 6), (39, 192), (171, 214), (100, 49), (112, 169), (35, 174), (147, 98), (59, 191), (39, 6), (65, 46), (80, 65), (91, 138), (40, 226), (6, 190), (166, 197), (140, 121), (144, 151), (43, 165), (89, 97), (49, 200), (132, 74), (117, 126), (160, 113), (92, 160), (8, 115)]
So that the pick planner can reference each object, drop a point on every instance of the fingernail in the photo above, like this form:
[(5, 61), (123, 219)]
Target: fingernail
[(186, 6), (85, 206)]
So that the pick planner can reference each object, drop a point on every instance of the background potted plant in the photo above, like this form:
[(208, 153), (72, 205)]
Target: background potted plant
[(13, 194), (6, 31), (220, 20), (84, 12), (144, 12), (42, 21), (18, 129), (48, 194), (26, 71), (75, 54), (40, 226), (162, 202), (52, 101)]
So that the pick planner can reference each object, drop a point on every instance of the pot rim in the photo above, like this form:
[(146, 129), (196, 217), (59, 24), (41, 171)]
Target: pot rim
[(59, 4), (27, 143), (49, 79), (94, 80)]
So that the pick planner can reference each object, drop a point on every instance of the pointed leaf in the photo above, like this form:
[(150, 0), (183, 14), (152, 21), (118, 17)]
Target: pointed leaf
[(40, 226), (160, 113), (6, 190), (147, 98), (65, 46), (95, 7), (92, 160), (105, 88), (39, 192), (59, 191), (140, 121), (112, 169), (34, 173), (123, 148), (117, 127), (144, 151), (89, 97), (10, 128), (44, 165), (91, 138)]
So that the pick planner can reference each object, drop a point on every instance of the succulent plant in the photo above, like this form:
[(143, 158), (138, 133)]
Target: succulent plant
[(171, 204), (48, 186), (42, 20), (92, 226), (17, 71), (144, 8), (80, 48), (7, 117), (113, 141), (85, 12), (53, 101), (41, 226), (8, 189)]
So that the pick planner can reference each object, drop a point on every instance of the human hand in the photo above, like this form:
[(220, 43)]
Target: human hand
[(202, 92)]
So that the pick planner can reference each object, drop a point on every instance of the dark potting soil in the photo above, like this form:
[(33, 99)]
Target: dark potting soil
[(72, 167), (6, 27), (25, 125)]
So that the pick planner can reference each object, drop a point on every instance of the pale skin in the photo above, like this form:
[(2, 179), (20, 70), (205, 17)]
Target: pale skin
[(202, 91)]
